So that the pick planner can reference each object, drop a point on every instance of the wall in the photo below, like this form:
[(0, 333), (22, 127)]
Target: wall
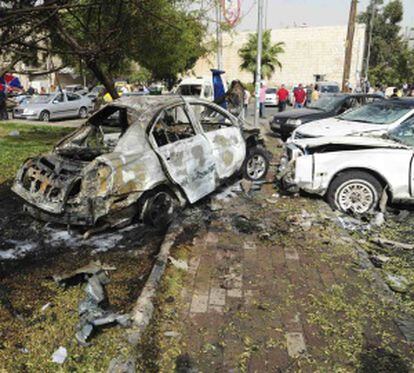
[(308, 51)]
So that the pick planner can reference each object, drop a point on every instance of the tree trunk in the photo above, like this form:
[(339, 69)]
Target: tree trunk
[(103, 78)]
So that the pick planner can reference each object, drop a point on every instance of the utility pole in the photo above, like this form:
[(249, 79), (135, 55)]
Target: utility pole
[(219, 36), (259, 60), (349, 43), (369, 41)]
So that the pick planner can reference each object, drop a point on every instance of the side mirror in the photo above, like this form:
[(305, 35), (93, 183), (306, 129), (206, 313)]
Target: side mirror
[(55, 102)]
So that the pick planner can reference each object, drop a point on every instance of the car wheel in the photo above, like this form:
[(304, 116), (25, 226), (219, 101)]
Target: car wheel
[(159, 209), (44, 116), (256, 164), (83, 112), (355, 191)]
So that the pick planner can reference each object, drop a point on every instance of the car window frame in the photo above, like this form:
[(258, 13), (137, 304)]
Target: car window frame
[(233, 120), (192, 121)]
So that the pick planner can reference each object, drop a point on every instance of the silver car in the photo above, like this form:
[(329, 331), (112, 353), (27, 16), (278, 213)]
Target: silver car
[(55, 106)]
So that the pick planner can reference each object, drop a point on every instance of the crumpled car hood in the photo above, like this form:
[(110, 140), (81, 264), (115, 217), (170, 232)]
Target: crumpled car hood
[(335, 127), (363, 141)]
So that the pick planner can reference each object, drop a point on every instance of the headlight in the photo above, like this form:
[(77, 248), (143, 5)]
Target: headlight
[(294, 122)]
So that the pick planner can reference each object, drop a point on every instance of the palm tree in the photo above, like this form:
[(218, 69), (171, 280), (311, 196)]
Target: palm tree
[(248, 54)]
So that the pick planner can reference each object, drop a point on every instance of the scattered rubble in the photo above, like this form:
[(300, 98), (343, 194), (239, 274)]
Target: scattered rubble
[(14, 133), (393, 244), (379, 260)]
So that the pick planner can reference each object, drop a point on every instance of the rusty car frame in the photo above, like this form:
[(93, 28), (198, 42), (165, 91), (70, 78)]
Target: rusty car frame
[(140, 157)]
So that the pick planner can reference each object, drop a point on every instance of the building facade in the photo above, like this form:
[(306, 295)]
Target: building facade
[(310, 53)]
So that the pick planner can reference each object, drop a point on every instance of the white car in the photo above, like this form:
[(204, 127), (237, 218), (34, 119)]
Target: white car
[(271, 97), (353, 172), (196, 87), (376, 118)]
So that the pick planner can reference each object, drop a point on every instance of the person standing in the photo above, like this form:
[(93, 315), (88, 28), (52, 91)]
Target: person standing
[(246, 101), (262, 99), (283, 97), (315, 93), (300, 97), (3, 106)]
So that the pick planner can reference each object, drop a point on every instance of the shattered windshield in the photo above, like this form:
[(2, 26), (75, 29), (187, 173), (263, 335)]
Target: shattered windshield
[(378, 113), (404, 133), (99, 136), (326, 103)]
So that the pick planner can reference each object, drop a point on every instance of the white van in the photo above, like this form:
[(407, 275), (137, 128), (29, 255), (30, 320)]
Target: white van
[(196, 87)]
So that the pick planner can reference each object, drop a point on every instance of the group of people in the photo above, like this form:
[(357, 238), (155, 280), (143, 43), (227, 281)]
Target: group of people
[(300, 97)]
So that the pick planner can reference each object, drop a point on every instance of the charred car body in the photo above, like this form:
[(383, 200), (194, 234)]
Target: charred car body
[(352, 172), (140, 156)]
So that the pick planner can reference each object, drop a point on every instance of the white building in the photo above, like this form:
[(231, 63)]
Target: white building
[(310, 52)]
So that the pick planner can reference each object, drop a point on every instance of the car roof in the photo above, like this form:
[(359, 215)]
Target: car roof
[(146, 106)]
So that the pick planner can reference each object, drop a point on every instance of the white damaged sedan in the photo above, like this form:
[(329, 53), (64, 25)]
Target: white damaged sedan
[(353, 172)]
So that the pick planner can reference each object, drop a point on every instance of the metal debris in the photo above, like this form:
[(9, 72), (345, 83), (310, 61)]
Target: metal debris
[(93, 309), (379, 260), (399, 284), (393, 244)]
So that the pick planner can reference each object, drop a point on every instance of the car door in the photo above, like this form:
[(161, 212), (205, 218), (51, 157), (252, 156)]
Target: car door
[(73, 104), (184, 151), (58, 106), (225, 137)]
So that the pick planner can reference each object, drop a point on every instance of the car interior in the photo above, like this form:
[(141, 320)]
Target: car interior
[(172, 125)]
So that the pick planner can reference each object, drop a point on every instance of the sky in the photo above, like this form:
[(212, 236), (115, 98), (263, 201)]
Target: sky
[(283, 13)]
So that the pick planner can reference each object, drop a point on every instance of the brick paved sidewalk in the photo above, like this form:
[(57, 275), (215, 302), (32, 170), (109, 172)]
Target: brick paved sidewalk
[(268, 291)]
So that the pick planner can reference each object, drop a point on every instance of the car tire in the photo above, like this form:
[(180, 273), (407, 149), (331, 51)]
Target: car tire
[(160, 207), (44, 116), (355, 191), (83, 112), (256, 164)]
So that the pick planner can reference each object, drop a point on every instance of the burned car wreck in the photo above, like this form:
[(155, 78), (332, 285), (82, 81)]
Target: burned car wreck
[(140, 157), (353, 172)]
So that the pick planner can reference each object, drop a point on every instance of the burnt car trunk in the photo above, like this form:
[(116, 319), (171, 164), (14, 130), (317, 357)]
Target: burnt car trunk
[(49, 181)]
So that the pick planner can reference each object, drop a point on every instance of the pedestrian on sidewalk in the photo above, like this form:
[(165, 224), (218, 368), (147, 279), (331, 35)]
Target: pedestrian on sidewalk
[(315, 93), (246, 101), (300, 97), (283, 96), (262, 99)]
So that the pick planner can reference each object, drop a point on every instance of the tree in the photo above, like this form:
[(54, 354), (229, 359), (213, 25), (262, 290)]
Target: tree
[(391, 62), (104, 35), (270, 54)]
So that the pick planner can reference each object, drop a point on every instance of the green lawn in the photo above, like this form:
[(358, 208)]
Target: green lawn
[(31, 141)]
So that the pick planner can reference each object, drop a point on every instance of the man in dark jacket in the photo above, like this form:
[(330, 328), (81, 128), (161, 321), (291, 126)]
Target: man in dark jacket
[(3, 106)]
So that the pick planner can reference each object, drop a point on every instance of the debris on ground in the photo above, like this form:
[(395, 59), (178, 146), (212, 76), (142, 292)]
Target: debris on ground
[(273, 199), (353, 224), (379, 260), (93, 309), (393, 244), (79, 274), (246, 225), (179, 263), (246, 185), (378, 220), (14, 133), (60, 355), (303, 220), (399, 284)]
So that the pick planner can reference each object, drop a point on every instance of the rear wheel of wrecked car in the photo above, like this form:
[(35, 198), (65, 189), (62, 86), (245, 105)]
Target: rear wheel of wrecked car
[(83, 112), (354, 191), (256, 164), (159, 208), (44, 116)]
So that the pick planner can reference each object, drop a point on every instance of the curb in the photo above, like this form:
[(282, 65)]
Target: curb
[(144, 308)]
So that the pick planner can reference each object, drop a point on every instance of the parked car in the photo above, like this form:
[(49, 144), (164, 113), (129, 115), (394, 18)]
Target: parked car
[(271, 97), (328, 87), (56, 106), (140, 157), (21, 103), (377, 117), (196, 87), (327, 106), (353, 172)]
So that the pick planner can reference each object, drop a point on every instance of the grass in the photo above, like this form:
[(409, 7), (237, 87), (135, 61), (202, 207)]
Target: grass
[(32, 140)]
